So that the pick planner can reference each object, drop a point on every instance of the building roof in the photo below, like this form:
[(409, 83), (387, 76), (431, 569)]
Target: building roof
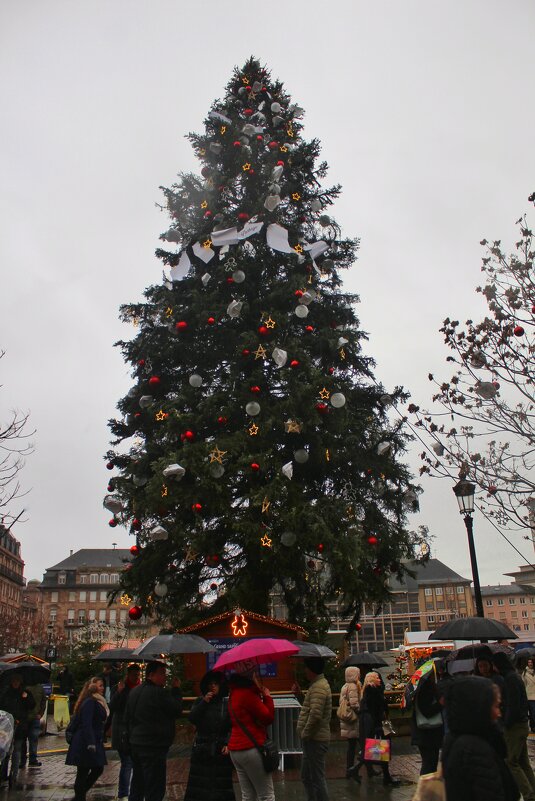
[(94, 557), (253, 615), (431, 572), (507, 589)]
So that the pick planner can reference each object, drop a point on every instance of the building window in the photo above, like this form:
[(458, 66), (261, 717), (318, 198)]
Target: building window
[(114, 578), (441, 618), (431, 619), (104, 578), (460, 590), (93, 578), (53, 615), (83, 579), (93, 595), (62, 578), (92, 615), (500, 602), (512, 601), (526, 626), (449, 590), (438, 590), (103, 595), (488, 602), (70, 616), (122, 615), (72, 596), (102, 616), (532, 599), (428, 591), (524, 613), (516, 628), (81, 617), (514, 614), (113, 615), (83, 596), (490, 616), (522, 601), (54, 597)]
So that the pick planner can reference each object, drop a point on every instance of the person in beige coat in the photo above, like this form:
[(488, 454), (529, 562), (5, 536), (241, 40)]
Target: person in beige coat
[(528, 676), (351, 693)]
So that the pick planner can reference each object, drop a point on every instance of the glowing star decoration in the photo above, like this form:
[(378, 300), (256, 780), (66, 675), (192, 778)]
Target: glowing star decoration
[(217, 455), (292, 427), (296, 196), (260, 353), (161, 415), (165, 491), (328, 455), (290, 131), (283, 149), (270, 323), (223, 129), (266, 503), (204, 204), (125, 599), (266, 542), (207, 244), (253, 430), (298, 248), (325, 394), (245, 80), (135, 321), (239, 625), (342, 354), (246, 167), (168, 311)]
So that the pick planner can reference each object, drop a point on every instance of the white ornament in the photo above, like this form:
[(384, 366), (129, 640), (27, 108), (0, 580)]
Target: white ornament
[(338, 399), (112, 504), (205, 278), (277, 121), (217, 470), (195, 380), (216, 148), (172, 235), (174, 471), (307, 297), (271, 202), (279, 356), (288, 539), (386, 400), (324, 220), (301, 456), (341, 342), (238, 277), (145, 401), (160, 590), (316, 205), (276, 108), (158, 533), (383, 448), (234, 308), (276, 173), (478, 359), (252, 408), (287, 470), (301, 311)]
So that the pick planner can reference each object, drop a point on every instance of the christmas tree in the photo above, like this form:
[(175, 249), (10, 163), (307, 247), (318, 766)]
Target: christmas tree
[(255, 453)]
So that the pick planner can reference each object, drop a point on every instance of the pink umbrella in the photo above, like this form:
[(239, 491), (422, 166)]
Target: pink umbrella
[(254, 652)]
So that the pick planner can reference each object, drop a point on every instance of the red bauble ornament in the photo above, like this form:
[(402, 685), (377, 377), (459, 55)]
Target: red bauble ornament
[(134, 550), (212, 559), (263, 331), (259, 138), (154, 381), (246, 352), (206, 171), (496, 384), (141, 362), (533, 309), (273, 145), (136, 524), (372, 540), (196, 507), (181, 325), (110, 487), (492, 490), (222, 420), (109, 466), (294, 363), (320, 547), (254, 389), (322, 408), (255, 466), (377, 570), (280, 163), (248, 88), (243, 216), (188, 435), (298, 293), (251, 171), (208, 214), (135, 612), (230, 279), (112, 523), (358, 627), (518, 331), (248, 112), (309, 329), (211, 320), (213, 586), (331, 370), (137, 414), (237, 143)]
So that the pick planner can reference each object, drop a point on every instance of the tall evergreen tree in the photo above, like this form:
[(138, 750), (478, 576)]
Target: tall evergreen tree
[(255, 451)]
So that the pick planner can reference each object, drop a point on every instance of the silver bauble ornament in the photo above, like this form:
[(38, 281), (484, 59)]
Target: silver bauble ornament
[(288, 539), (301, 312), (145, 401), (338, 400), (252, 408), (301, 456), (238, 276), (217, 470), (160, 590), (195, 381)]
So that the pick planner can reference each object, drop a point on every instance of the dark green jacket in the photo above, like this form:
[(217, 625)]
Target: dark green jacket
[(150, 717), (315, 717)]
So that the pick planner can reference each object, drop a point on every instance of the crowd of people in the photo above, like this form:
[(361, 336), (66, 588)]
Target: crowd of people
[(478, 723)]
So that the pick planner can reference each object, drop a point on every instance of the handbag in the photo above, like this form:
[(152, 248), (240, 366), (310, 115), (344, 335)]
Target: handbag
[(431, 786), (268, 751), (344, 712), (376, 750), (388, 729)]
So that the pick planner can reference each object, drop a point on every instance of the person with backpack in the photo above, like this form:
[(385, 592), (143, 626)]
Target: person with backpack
[(347, 713), (86, 749)]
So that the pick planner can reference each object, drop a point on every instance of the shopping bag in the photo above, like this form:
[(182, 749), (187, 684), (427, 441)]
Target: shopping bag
[(431, 787), (377, 750)]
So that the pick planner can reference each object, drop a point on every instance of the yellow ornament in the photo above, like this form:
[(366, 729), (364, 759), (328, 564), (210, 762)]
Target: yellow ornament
[(125, 599), (298, 248), (260, 352), (165, 491), (204, 204), (292, 427), (161, 415), (245, 80), (327, 455), (265, 506), (283, 149), (245, 167), (223, 129), (168, 311), (207, 244), (290, 131), (296, 196), (253, 430), (217, 455), (266, 542), (325, 394), (270, 323), (202, 152)]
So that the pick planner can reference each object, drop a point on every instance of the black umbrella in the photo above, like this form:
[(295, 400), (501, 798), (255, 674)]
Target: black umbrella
[(524, 653), (171, 644), (473, 628), (478, 649), (365, 659), (118, 655), (31, 672), (313, 649)]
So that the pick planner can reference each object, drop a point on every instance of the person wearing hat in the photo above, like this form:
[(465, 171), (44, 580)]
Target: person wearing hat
[(116, 719), (314, 729)]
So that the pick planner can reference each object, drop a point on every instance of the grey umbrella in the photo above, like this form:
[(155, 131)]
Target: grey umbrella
[(312, 649), (171, 644), (118, 655), (365, 659), (473, 628)]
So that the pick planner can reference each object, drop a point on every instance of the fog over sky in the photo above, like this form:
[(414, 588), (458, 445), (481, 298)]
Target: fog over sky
[(426, 116)]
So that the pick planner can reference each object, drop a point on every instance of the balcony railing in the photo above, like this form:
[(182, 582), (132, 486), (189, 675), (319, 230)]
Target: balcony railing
[(16, 578)]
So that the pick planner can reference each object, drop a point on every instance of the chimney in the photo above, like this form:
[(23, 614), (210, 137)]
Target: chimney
[(71, 552)]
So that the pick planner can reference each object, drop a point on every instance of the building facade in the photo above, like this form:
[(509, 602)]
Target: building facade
[(76, 597), (11, 574), (512, 604)]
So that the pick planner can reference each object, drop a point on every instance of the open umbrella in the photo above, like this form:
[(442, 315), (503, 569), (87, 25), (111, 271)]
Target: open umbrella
[(172, 644), (118, 655), (473, 628), (312, 649), (365, 659), (31, 672), (255, 652), (524, 653)]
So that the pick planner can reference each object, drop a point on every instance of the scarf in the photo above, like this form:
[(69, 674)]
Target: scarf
[(102, 701)]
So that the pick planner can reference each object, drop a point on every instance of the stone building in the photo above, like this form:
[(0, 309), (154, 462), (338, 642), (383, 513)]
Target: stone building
[(75, 597), (11, 574)]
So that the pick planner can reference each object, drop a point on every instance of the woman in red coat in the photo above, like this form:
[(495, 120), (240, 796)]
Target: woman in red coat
[(250, 704)]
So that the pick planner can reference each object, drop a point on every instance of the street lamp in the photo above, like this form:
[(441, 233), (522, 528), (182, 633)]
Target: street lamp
[(465, 492)]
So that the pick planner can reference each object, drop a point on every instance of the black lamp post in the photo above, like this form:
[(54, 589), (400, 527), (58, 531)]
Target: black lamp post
[(465, 492)]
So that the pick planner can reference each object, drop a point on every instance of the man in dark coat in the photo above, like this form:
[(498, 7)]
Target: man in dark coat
[(117, 720), (111, 678), (515, 726), (65, 681), (18, 702), (151, 711)]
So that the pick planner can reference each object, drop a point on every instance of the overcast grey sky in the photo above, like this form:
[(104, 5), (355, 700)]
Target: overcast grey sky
[(426, 117)]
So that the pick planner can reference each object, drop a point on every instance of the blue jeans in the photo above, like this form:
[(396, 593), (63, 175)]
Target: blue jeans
[(125, 774)]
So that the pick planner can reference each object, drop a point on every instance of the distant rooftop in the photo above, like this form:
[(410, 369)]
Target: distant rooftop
[(94, 557), (507, 589), (431, 572)]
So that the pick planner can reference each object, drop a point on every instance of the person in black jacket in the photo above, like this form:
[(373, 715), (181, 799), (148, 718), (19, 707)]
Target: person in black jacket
[(151, 711), (18, 702), (117, 721), (473, 755), (210, 773), (427, 724), (515, 726), (373, 710)]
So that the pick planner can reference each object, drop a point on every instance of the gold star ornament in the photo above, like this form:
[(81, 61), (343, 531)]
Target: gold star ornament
[(270, 323), (292, 427), (265, 506), (217, 455), (204, 204), (253, 430), (266, 542), (207, 244), (245, 167), (125, 599), (325, 394), (296, 196), (298, 248), (260, 353), (223, 129), (161, 415)]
